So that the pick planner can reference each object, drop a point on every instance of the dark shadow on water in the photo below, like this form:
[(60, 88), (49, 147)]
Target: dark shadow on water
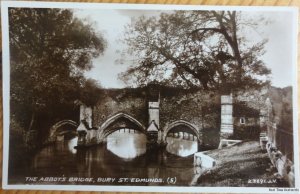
[(60, 160)]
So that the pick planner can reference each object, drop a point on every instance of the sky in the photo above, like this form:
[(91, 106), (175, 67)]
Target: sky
[(278, 56)]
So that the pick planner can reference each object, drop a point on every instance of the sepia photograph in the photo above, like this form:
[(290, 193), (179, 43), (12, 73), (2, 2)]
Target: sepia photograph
[(155, 97)]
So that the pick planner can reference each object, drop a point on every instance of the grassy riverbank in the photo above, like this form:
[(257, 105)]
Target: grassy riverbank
[(243, 164)]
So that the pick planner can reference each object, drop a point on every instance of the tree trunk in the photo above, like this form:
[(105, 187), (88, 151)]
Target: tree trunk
[(32, 121)]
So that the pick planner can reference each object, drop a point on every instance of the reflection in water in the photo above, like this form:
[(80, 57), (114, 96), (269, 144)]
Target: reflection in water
[(71, 144), (127, 145), (181, 147), (108, 160)]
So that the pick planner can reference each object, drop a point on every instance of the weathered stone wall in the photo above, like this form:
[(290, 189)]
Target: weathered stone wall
[(284, 166), (226, 128), (249, 121), (202, 110), (153, 111), (129, 101), (86, 114), (198, 108)]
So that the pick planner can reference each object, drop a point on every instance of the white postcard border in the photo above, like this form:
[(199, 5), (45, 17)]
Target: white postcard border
[(6, 91)]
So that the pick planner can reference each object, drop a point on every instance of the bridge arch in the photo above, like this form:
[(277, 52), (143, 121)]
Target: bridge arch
[(103, 130), (56, 126), (192, 128)]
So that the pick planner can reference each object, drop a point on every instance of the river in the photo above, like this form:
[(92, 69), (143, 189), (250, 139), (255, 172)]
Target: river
[(124, 155)]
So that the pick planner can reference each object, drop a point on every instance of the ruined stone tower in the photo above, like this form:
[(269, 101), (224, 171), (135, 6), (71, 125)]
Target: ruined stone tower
[(226, 117)]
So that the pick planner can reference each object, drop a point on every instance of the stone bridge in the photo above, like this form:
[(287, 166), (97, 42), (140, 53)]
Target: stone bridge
[(57, 131), (158, 113)]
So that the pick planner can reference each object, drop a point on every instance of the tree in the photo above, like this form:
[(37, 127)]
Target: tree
[(203, 49), (91, 92), (49, 51)]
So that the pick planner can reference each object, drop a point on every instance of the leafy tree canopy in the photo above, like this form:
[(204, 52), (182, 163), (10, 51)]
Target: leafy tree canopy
[(202, 49), (49, 51)]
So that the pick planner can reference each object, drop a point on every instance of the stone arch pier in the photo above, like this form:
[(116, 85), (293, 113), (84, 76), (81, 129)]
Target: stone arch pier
[(56, 131)]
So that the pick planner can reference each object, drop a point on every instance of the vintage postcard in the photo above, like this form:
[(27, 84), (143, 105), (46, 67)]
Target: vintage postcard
[(123, 97)]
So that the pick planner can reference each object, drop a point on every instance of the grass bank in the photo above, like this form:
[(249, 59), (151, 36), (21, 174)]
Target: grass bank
[(243, 164)]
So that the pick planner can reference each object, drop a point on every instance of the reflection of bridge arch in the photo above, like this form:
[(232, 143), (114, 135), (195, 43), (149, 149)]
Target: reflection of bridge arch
[(125, 121), (54, 129), (191, 128)]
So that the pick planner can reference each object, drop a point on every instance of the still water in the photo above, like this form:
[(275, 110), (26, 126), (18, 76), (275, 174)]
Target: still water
[(124, 155), (181, 147), (127, 145)]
